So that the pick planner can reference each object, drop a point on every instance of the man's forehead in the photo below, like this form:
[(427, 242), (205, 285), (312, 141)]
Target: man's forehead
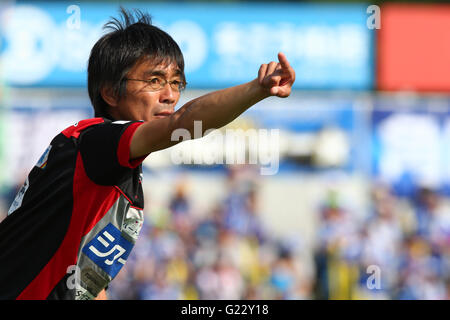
[(149, 67)]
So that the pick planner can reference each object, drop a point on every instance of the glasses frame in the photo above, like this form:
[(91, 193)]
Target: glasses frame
[(180, 88)]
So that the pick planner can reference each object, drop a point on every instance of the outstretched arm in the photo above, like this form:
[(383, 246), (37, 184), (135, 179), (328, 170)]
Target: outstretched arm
[(215, 109)]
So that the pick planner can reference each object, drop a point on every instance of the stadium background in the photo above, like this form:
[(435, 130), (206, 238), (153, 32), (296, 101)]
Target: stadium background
[(359, 206)]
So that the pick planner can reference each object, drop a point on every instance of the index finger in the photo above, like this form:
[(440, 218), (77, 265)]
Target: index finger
[(283, 60), (286, 66)]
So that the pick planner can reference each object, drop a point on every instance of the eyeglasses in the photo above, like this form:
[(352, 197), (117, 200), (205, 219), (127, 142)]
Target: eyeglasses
[(156, 83)]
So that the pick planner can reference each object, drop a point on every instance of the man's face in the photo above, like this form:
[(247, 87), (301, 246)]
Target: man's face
[(142, 102)]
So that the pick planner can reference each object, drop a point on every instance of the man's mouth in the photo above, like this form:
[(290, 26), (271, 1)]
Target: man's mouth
[(163, 114)]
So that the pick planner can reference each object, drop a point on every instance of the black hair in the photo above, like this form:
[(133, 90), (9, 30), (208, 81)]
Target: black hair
[(115, 53)]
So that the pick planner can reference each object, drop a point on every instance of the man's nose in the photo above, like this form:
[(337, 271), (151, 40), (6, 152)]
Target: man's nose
[(167, 94)]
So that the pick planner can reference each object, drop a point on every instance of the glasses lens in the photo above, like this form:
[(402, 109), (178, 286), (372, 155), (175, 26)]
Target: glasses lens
[(156, 83), (177, 85)]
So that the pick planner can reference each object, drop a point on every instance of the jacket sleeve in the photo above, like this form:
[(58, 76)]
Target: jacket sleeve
[(105, 150)]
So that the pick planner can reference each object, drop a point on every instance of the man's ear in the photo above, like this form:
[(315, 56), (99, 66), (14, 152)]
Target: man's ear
[(109, 96)]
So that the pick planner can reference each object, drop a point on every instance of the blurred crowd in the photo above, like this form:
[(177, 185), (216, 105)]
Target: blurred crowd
[(400, 249), (227, 253)]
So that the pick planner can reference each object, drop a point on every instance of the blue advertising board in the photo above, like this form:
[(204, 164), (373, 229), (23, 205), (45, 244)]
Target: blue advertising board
[(329, 46), (411, 145)]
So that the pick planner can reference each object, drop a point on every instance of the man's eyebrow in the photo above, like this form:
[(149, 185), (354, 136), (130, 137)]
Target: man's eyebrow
[(148, 73)]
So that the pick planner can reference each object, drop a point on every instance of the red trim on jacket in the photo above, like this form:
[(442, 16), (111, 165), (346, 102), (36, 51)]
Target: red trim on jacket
[(75, 130), (123, 150), (90, 204)]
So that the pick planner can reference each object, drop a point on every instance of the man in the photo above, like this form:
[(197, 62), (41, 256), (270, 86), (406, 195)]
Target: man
[(73, 224)]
